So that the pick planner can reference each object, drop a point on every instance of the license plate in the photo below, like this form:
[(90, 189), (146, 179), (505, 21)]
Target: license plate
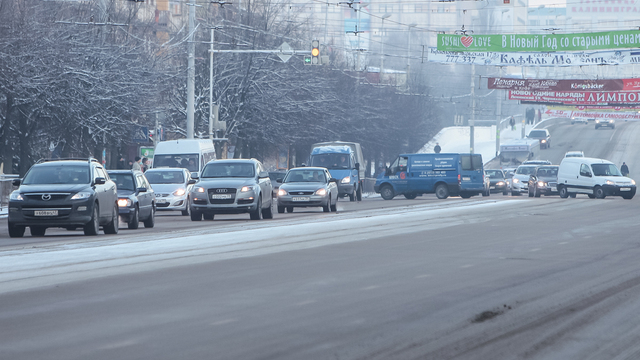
[(161, 201), (553, 188), (221, 196), (45, 213), (465, 178), (300, 198), (625, 189), (492, 187)]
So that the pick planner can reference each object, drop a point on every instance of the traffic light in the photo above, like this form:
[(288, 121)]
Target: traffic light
[(307, 59), (315, 52), (151, 135)]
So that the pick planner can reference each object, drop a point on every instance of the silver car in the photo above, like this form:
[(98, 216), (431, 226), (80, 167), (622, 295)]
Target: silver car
[(172, 187), (232, 186), (308, 187)]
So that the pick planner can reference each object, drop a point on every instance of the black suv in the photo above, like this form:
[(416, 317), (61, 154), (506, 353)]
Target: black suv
[(67, 193), (542, 135)]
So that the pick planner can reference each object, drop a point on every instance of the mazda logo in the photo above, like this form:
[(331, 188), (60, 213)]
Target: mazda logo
[(46, 197), (221, 190)]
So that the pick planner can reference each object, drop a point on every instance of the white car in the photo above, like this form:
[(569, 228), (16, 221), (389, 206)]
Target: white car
[(574, 154), (597, 178), (579, 121), (172, 187), (520, 180)]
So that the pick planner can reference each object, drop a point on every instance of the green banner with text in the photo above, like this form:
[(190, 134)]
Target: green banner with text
[(609, 40)]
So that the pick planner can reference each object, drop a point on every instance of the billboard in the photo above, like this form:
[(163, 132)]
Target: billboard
[(605, 98), (564, 85)]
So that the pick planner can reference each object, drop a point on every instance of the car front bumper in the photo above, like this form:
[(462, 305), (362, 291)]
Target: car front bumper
[(76, 213), (619, 190), (246, 202), (345, 189), (171, 202), (313, 200)]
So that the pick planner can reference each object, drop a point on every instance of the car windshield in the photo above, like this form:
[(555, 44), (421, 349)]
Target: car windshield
[(273, 176), (165, 177), (188, 161), (224, 170), (538, 134), (605, 170), (60, 174), (495, 174), (331, 161), (305, 176), (548, 172), (124, 181), (525, 170)]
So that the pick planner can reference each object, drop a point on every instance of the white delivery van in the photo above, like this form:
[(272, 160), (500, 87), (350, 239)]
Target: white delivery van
[(191, 154), (597, 178)]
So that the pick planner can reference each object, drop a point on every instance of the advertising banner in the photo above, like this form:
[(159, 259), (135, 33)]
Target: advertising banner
[(623, 116), (564, 85), (536, 59), (608, 40), (594, 108), (611, 98)]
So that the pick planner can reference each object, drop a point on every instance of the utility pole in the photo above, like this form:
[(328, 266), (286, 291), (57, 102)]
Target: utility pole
[(211, 118), (498, 120), (472, 119), (382, 46), (191, 70)]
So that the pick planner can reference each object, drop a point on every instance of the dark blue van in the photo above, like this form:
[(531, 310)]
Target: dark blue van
[(443, 174)]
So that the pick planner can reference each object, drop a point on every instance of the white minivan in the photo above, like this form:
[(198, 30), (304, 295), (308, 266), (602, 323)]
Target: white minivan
[(597, 178), (191, 154)]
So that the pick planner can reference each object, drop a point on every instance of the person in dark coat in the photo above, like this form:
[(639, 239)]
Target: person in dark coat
[(122, 164), (437, 148), (624, 169)]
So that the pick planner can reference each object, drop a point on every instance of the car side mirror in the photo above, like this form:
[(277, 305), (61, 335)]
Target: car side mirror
[(357, 166), (142, 190), (333, 180), (196, 177), (263, 174), (191, 181), (16, 182), (100, 181), (279, 180)]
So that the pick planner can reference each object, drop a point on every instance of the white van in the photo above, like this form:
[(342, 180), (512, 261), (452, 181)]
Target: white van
[(597, 178), (191, 154)]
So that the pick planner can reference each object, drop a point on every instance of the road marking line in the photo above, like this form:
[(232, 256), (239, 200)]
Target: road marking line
[(370, 287), (224, 322), (536, 249)]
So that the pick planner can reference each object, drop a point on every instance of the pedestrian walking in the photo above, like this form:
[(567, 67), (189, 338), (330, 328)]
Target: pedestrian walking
[(624, 169), (437, 148), (145, 164), (512, 122), (136, 164), (122, 163)]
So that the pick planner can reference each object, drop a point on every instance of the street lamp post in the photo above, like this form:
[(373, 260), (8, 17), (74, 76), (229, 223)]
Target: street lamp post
[(385, 16), (411, 26)]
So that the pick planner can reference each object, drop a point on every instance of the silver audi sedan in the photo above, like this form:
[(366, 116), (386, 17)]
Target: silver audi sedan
[(308, 187)]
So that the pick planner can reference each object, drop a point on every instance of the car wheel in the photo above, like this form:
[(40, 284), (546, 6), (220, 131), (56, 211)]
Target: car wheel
[(573, 196), (410, 195), (442, 191), (387, 192), (114, 225), (185, 212), (37, 230), (257, 213), (530, 193), (465, 195), (280, 209), (327, 208), (195, 215), (334, 206), (536, 193), (134, 222), (505, 192), (289, 209), (599, 192), (563, 192), (93, 226), (359, 193), (513, 193), (208, 216), (267, 213), (591, 196), (16, 231), (151, 220), (352, 196)]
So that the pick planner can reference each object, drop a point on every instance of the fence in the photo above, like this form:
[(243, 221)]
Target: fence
[(6, 187)]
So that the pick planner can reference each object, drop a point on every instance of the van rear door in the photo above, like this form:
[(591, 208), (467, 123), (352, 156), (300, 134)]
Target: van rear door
[(471, 172)]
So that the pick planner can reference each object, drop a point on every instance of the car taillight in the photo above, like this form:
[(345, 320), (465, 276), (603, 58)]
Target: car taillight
[(459, 179)]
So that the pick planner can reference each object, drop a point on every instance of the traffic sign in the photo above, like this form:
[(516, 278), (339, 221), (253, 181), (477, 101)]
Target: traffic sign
[(285, 52)]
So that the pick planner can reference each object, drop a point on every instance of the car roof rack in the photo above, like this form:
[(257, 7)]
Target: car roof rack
[(90, 159)]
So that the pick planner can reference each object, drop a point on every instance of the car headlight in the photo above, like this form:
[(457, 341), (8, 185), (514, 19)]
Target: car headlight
[(179, 192), (609, 182), (346, 180), (321, 192), (15, 196), (597, 121), (541, 184), (198, 189), (81, 195), (246, 188), (543, 141), (516, 181), (633, 182), (282, 192), (124, 202), (499, 183)]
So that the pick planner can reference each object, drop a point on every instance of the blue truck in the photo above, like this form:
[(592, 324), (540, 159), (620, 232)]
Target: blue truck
[(445, 175), (343, 163)]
